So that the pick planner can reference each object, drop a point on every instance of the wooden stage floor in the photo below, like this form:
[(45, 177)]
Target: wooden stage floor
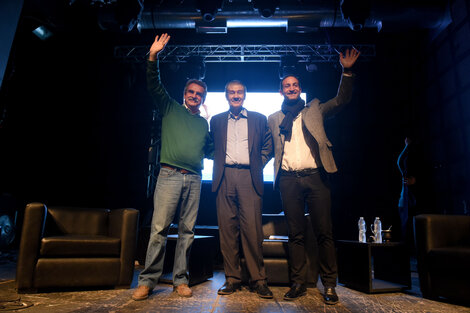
[(205, 299)]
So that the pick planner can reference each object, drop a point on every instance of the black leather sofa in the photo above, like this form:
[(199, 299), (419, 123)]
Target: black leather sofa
[(443, 255), (76, 247)]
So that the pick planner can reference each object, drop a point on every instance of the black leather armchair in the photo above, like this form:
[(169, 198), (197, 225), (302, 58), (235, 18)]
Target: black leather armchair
[(76, 247), (443, 254)]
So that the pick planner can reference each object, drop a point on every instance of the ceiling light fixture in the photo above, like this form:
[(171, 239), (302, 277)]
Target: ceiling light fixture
[(266, 8), (208, 9)]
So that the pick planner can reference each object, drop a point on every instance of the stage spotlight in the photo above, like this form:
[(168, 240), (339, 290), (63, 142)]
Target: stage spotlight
[(355, 12), (196, 67), (42, 32), (311, 67), (208, 9), (266, 8), (288, 66), (119, 15)]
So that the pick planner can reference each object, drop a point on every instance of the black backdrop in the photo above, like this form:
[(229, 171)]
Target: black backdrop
[(78, 120)]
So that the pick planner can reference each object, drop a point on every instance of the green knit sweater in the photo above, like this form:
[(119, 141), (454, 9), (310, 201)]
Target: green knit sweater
[(185, 138)]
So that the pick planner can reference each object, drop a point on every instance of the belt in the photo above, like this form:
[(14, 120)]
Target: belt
[(239, 166), (300, 173), (174, 168)]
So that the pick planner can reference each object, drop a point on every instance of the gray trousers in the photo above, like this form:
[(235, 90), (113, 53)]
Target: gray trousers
[(239, 216)]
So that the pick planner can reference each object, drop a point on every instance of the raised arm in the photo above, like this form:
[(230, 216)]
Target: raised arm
[(344, 94), (161, 98)]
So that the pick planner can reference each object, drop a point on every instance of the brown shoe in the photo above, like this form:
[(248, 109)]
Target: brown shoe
[(141, 293), (183, 291)]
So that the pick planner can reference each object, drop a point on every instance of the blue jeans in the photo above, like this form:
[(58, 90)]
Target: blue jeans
[(173, 191)]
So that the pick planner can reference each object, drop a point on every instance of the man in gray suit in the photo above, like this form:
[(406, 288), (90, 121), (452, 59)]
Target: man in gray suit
[(302, 161), (242, 144)]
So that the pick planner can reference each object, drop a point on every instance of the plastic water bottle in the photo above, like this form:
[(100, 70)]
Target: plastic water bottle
[(378, 230), (362, 229)]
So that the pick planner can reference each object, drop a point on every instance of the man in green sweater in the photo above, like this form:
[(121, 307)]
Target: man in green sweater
[(185, 142)]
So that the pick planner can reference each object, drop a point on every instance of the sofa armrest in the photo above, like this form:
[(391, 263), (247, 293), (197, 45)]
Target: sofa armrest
[(31, 234), (123, 224), (436, 231)]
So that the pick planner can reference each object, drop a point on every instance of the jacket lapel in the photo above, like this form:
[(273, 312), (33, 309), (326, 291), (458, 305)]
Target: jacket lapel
[(280, 117), (223, 129), (251, 130)]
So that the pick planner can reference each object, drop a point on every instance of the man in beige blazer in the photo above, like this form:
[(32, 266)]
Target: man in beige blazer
[(303, 158)]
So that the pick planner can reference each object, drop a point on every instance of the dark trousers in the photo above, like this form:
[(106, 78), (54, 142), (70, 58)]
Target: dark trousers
[(298, 191), (239, 217)]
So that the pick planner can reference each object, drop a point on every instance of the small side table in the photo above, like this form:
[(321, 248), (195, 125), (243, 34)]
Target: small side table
[(200, 259), (373, 267)]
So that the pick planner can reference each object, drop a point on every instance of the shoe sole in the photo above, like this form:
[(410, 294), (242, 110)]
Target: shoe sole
[(292, 299), (182, 295), (261, 296), (143, 297), (331, 302), (139, 298), (223, 293)]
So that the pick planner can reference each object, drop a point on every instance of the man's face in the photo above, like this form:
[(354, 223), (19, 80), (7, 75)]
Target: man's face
[(291, 88), (193, 95), (235, 95)]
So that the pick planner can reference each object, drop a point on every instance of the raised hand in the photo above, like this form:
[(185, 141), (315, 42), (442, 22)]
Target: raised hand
[(349, 58), (158, 45)]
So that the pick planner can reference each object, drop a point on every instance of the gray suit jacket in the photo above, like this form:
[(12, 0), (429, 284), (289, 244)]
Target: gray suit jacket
[(312, 119), (259, 145)]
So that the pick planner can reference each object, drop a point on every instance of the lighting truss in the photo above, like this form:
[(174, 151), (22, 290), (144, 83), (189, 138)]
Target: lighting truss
[(244, 53)]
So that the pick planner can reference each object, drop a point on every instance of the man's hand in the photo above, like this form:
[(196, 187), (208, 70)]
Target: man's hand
[(158, 45), (350, 57)]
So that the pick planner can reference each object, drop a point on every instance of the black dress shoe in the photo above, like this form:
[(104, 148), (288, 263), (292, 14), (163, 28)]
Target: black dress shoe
[(330, 296), (263, 291), (296, 291), (229, 288)]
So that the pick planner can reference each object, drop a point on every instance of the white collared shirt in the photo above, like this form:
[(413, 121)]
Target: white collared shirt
[(301, 151), (237, 139)]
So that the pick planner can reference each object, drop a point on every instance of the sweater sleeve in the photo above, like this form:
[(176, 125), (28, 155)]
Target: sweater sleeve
[(161, 98)]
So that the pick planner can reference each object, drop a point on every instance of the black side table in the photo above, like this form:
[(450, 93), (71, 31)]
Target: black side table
[(373, 267)]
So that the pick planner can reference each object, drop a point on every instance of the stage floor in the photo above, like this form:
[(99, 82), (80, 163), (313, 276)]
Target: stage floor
[(205, 299)]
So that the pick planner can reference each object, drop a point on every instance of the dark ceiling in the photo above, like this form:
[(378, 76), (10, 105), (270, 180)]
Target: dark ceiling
[(275, 19), (81, 120)]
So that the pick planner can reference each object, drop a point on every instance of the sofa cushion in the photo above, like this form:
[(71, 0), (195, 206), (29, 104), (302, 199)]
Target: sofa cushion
[(76, 221), (274, 224), (80, 245), (438, 258), (75, 272), (277, 271), (273, 248)]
